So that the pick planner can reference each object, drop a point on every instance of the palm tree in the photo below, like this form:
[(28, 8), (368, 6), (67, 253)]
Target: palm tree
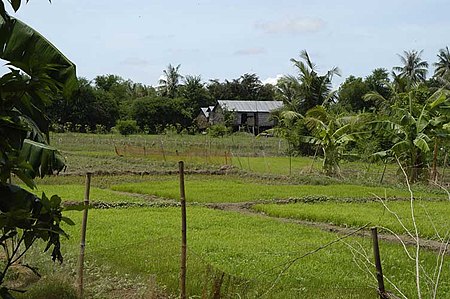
[(313, 89), (413, 68), (170, 81), (442, 69), (288, 90)]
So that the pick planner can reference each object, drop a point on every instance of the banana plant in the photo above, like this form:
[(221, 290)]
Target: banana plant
[(37, 73), (332, 134), (414, 130)]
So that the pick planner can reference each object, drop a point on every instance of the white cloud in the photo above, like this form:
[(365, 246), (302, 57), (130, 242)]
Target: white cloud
[(250, 51), (292, 26), (271, 80)]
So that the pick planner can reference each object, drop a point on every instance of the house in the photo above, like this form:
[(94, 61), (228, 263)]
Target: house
[(203, 119), (251, 116)]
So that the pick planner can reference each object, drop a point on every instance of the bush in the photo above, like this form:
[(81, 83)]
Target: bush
[(126, 127), (218, 130)]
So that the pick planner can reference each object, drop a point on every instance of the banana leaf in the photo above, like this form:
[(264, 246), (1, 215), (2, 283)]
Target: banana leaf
[(27, 49), (44, 159)]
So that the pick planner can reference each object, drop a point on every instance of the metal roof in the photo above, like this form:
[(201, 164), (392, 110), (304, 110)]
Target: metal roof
[(251, 106)]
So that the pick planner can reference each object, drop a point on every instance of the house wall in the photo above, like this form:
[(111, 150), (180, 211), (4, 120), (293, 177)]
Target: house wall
[(243, 118), (202, 121), (250, 119), (216, 116)]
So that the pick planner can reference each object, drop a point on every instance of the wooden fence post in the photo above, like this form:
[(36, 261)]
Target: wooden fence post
[(83, 234), (376, 253), (183, 233)]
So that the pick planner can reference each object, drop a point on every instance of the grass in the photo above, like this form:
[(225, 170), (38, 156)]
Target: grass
[(130, 246), (142, 242), (429, 214), (76, 193), (211, 189), (90, 152)]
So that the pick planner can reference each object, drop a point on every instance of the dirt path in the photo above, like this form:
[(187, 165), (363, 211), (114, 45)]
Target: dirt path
[(246, 209)]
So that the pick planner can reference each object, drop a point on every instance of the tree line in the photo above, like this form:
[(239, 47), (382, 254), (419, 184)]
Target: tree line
[(100, 104)]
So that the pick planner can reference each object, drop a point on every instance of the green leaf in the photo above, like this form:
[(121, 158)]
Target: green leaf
[(55, 201), (421, 142), (67, 220), (25, 177), (15, 4), (43, 158), (28, 239), (24, 45)]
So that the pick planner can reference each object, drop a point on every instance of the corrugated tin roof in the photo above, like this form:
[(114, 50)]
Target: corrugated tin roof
[(251, 106)]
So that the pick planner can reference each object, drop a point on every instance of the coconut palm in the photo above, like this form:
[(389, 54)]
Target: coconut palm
[(442, 67), (288, 90), (413, 68), (312, 89), (170, 81)]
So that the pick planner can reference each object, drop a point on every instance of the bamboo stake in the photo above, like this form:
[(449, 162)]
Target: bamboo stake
[(290, 160), (443, 170), (183, 233), (376, 253), (163, 151), (384, 171), (83, 234)]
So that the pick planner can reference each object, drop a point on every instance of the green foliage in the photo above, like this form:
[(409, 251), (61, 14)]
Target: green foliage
[(127, 127), (236, 189), (351, 94), (195, 91), (51, 287), (218, 130), (38, 73), (413, 127), (308, 89), (170, 82), (252, 248), (247, 87), (430, 215), (154, 114), (413, 68), (329, 133)]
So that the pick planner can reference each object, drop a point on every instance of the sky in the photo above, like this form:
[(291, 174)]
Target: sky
[(137, 39)]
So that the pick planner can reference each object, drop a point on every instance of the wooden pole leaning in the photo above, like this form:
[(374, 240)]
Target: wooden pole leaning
[(376, 254), (183, 233), (83, 234)]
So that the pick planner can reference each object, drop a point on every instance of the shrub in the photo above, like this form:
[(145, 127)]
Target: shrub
[(218, 130), (126, 127)]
